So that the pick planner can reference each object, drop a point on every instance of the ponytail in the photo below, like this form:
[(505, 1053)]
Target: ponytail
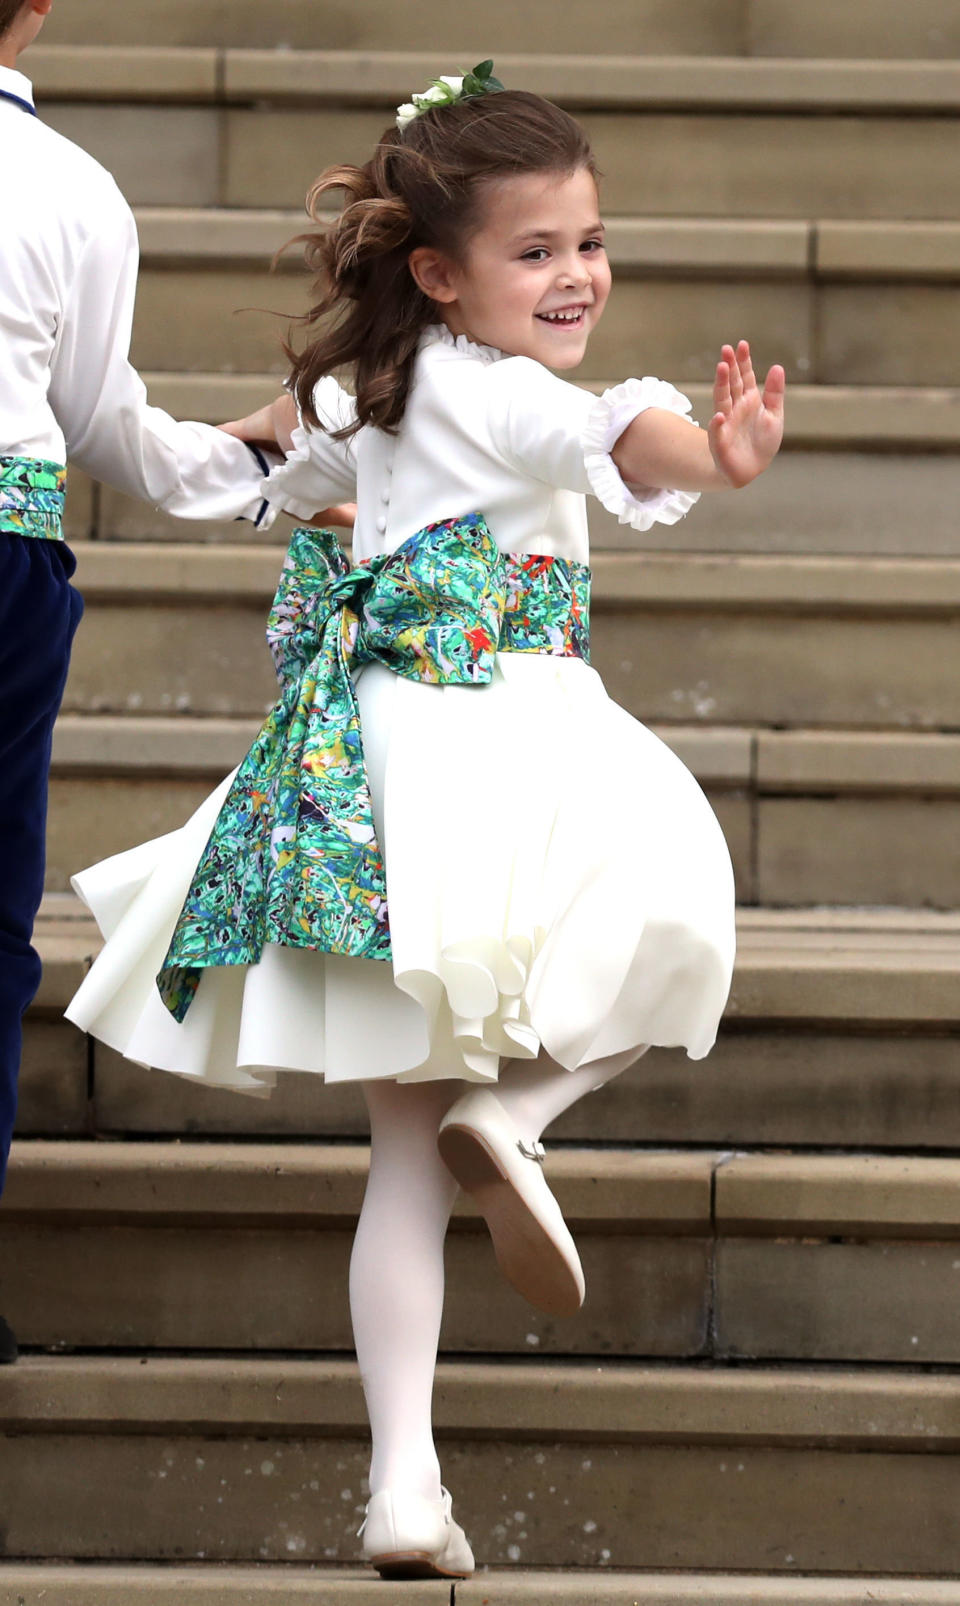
[(370, 311)]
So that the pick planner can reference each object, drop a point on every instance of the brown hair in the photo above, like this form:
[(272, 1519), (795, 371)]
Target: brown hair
[(9, 12), (421, 187)]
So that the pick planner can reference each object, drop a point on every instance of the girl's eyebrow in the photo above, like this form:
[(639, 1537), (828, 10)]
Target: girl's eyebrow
[(553, 234)]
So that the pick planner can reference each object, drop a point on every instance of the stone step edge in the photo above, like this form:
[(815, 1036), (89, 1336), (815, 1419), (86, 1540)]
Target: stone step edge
[(319, 1183), (146, 572), (865, 977), (770, 763), (24, 1584), (837, 925), (869, 417), (875, 1408), (224, 76), (777, 247), (671, 1192)]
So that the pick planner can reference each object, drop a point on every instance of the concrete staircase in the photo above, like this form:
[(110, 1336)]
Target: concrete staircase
[(761, 1400)]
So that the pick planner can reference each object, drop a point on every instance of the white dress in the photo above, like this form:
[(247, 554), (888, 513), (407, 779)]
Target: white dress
[(555, 876)]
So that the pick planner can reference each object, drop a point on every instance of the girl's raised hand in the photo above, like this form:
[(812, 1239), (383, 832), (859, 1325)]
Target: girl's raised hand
[(747, 427)]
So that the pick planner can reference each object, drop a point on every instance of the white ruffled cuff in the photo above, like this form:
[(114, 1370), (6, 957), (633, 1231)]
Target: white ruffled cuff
[(295, 486), (641, 506)]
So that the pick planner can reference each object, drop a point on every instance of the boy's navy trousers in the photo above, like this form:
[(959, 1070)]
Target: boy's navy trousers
[(39, 612)]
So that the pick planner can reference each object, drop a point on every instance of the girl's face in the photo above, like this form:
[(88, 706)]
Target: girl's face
[(535, 277)]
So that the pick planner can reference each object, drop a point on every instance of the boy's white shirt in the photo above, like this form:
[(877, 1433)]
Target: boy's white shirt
[(68, 272)]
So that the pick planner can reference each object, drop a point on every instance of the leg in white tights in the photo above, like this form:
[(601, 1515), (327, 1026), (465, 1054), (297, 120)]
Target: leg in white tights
[(396, 1271), (396, 1279), (536, 1092)]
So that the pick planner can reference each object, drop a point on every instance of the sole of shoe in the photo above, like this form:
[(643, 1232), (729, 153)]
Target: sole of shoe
[(411, 1565), (529, 1258)]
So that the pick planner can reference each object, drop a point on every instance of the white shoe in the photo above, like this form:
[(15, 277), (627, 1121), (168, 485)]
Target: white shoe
[(408, 1536), (483, 1149)]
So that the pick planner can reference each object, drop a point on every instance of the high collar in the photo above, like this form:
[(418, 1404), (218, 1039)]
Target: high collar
[(15, 87), (439, 334)]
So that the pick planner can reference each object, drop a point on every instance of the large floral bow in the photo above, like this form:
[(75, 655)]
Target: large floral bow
[(293, 857)]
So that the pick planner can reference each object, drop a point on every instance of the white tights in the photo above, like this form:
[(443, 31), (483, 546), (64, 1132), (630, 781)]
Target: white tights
[(396, 1270)]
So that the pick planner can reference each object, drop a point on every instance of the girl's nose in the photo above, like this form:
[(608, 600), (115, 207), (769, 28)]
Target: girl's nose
[(574, 273)]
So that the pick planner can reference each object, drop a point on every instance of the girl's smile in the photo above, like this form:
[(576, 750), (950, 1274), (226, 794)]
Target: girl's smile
[(534, 279)]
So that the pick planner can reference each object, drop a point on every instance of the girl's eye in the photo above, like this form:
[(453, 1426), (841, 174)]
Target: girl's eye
[(538, 253), (592, 245)]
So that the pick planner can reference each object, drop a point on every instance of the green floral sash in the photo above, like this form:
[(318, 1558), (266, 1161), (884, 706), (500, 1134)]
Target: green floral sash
[(293, 857), (32, 495)]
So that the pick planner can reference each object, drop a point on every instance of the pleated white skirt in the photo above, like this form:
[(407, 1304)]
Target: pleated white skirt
[(555, 878)]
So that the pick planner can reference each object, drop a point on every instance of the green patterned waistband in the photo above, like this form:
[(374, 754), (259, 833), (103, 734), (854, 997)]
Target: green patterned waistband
[(32, 495)]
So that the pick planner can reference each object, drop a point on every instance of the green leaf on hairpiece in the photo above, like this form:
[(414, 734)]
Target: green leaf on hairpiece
[(483, 69), (492, 84)]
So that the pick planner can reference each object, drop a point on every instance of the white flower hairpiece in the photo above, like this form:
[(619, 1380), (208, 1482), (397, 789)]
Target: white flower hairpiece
[(447, 90)]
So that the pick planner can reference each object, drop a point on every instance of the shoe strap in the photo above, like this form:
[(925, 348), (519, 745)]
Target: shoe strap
[(534, 1151), (446, 1496)]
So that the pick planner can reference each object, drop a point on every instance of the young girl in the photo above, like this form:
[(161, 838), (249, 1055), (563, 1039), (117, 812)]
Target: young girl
[(554, 893)]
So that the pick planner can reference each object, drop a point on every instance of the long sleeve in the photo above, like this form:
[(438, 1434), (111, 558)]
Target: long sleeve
[(100, 402)]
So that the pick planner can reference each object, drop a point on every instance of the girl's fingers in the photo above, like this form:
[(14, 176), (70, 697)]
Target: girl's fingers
[(773, 390), (746, 366), (722, 399), (736, 383)]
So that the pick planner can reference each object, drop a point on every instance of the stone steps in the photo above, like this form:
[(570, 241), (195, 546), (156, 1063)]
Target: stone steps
[(837, 643), (811, 816), (867, 470), (841, 1032), (837, 417), (837, 303), (219, 1585), (885, 502), (926, 28), (758, 138), (814, 1470), (379, 78), (709, 163), (699, 1254), (770, 1339), (791, 248)]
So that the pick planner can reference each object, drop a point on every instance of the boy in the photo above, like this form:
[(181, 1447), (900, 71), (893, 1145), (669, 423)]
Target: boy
[(68, 267)]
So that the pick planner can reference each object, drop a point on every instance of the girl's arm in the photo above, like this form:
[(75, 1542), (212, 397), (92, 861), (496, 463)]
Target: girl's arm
[(659, 449)]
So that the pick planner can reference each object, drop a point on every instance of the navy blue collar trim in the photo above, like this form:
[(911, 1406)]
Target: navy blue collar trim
[(18, 101)]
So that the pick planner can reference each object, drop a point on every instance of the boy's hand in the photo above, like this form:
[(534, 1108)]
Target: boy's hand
[(746, 430), (271, 426)]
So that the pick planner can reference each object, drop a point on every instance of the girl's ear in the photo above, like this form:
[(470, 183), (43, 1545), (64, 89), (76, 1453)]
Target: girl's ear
[(434, 273)]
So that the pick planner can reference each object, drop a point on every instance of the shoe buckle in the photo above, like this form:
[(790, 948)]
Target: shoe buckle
[(535, 1151)]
